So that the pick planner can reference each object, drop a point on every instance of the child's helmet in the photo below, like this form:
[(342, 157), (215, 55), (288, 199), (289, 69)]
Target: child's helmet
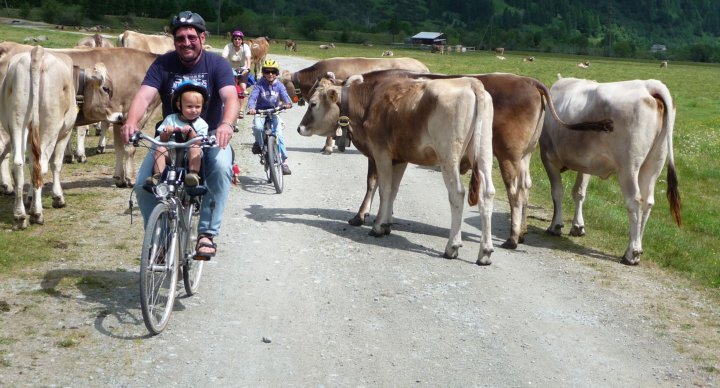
[(270, 64), (186, 86), (188, 19)]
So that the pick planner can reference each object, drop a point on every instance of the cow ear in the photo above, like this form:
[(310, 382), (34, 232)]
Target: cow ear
[(333, 96)]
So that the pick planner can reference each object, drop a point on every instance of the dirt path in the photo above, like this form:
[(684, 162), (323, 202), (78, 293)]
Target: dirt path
[(340, 308)]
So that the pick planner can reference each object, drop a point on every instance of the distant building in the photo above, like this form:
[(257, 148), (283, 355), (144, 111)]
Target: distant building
[(658, 47), (428, 38)]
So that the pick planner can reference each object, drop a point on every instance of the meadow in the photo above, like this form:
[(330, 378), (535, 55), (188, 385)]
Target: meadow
[(692, 250)]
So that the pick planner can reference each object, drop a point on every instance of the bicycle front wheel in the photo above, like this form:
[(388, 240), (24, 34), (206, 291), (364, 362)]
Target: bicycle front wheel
[(276, 174), (192, 269), (158, 269)]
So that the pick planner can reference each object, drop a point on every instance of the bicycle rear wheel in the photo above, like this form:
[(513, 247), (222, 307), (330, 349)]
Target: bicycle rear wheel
[(275, 165), (192, 269), (158, 270)]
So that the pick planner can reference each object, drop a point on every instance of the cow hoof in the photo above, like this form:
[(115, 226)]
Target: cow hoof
[(577, 231), (326, 151), (633, 259), (453, 253), (6, 190), (37, 219), (120, 182), (484, 259), (509, 244), (356, 221), (82, 159), (101, 150), (555, 230), (384, 230), (58, 203), (20, 223)]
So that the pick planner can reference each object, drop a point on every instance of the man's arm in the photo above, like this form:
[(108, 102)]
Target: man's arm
[(224, 131), (138, 106)]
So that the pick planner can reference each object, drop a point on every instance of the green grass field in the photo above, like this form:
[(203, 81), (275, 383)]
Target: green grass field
[(693, 249)]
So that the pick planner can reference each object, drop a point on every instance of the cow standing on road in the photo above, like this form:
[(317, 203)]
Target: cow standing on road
[(396, 121), (644, 115)]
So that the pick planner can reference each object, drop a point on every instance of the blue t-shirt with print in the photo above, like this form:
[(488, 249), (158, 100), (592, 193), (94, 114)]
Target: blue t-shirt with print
[(212, 71)]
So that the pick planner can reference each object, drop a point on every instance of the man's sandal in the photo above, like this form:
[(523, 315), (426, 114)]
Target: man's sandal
[(200, 244)]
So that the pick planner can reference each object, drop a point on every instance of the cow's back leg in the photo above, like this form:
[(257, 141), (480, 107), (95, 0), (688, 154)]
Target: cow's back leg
[(382, 225), (510, 171), (629, 186), (328, 147), (456, 196), (56, 168), (20, 220), (556, 193), (6, 184), (371, 188), (579, 193)]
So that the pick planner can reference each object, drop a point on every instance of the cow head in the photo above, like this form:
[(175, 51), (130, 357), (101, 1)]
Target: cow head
[(324, 107), (98, 104)]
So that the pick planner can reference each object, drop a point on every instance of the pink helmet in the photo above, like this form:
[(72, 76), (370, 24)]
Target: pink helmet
[(238, 33)]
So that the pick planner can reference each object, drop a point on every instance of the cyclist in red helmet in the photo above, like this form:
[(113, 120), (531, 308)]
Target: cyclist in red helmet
[(238, 53)]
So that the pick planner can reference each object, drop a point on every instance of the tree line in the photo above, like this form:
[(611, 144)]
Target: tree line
[(688, 29)]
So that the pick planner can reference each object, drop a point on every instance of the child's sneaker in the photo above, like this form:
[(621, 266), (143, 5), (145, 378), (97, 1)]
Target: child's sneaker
[(153, 180), (192, 179)]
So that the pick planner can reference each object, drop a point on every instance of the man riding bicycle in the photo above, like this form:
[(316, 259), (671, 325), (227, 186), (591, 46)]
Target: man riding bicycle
[(267, 94)]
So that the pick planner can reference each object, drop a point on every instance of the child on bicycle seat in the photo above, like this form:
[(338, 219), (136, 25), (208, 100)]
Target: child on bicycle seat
[(188, 101), (267, 94)]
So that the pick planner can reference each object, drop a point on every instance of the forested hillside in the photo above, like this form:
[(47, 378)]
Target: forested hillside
[(689, 29)]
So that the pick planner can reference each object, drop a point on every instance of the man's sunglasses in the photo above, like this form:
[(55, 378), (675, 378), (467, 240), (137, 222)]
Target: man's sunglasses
[(270, 72), (191, 38)]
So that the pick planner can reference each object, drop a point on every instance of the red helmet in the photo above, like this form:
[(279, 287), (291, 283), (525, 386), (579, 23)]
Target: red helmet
[(238, 33)]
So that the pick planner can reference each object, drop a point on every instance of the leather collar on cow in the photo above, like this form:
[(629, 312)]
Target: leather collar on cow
[(298, 92), (79, 78), (343, 135)]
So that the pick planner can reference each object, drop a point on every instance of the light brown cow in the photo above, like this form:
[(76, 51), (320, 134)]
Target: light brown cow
[(663, 64), (326, 46), (644, 115), (258, 51), (39, 108), (396, 121), (342, 67), (157, 44), (95, 40), (291, 45), (127, 68), (500, 51), (519, 108), (387, 53)]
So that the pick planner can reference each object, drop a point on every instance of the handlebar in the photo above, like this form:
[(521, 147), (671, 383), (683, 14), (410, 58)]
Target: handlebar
[(262, 112), (204, 141)]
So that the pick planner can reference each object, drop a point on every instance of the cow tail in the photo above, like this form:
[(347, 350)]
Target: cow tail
[(33, 124), (661, 92), (602, 125), (476, 144)]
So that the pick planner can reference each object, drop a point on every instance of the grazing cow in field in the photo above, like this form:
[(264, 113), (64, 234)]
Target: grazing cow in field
[(529, 59), (95, 40), (644, 115), (38, 109), (663, 64), (396, 121), (387, 53), (291, 45), (500, 57), (437, 48), (500, 51), (519, 105), (156, 44), (343, 67), (584, 65), (326, 46), (127, 69)]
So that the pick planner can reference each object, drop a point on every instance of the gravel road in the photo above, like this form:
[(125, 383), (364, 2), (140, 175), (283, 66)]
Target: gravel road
[(297, 297)]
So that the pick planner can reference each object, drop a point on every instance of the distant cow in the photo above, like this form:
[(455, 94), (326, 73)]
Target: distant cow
[(156, 44), (396, 121), (529, 59), (291, 45), (387, 53), (326, 46), (644, 115), (584, 65), (500, 51), (437, 48), (258, 51), (663, 64), (38, 110), (343, 67), (95, 40)]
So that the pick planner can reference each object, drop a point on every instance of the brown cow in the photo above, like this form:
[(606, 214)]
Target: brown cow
[(519, 108), (500, 51), (95, 40), (303, 80), (127, 68), (258, 51), (157, 44), (396, 121), (663, 64), (291, 45)]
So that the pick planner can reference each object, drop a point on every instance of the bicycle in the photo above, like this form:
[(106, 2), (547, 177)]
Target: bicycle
[(170, 234), (270, 156)]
